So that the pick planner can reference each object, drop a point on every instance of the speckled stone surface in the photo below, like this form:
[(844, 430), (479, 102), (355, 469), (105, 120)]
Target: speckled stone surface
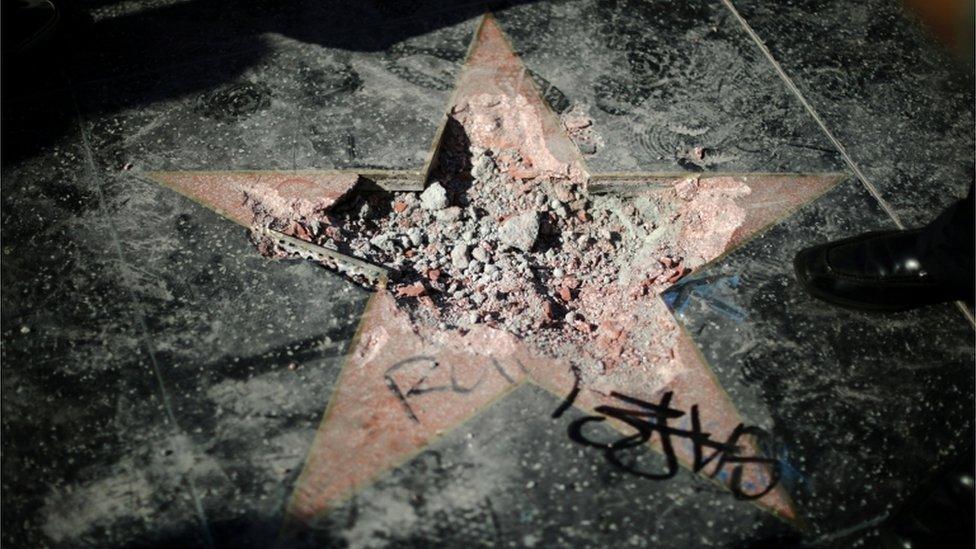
[(899, 104), (162, 382), (81, 412), (258, 86), (469, 489), (861, 406), (248, 351), (661, 78)]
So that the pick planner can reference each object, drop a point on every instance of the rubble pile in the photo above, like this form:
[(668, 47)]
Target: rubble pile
[(529, 251)]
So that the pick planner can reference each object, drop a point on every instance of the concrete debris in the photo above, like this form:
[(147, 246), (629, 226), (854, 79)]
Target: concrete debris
[(415, 235), (566, 294), (484, 164), (412, 290), (520, 231), (434, 197), (510, 255), (480, 253), (459, 256), (516, 134), (579, 127)]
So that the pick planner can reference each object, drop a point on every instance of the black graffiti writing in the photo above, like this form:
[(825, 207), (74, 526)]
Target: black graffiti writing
[(428, 366), (571, 398), (647, 418)]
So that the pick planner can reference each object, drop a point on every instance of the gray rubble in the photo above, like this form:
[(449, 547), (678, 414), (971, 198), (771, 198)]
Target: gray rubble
[(434, 197), (520, 231)]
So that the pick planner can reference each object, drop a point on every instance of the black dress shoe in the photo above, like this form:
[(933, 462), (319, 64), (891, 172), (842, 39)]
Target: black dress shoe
[(880, 271)]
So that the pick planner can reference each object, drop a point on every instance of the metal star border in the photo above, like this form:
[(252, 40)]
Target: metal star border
[(402, 386)]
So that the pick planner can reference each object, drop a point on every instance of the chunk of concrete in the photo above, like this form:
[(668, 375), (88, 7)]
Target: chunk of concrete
[(520, 231), (434, 197)]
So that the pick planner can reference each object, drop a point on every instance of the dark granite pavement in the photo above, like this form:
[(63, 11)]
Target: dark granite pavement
[(162, 382)]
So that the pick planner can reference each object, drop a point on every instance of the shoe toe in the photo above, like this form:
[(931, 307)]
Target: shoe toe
[(867, 272), (810, 265), (821, 280)]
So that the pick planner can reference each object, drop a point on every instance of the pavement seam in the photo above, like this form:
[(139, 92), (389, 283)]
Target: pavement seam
[(143, 325), (871, 188), (813, 113)]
